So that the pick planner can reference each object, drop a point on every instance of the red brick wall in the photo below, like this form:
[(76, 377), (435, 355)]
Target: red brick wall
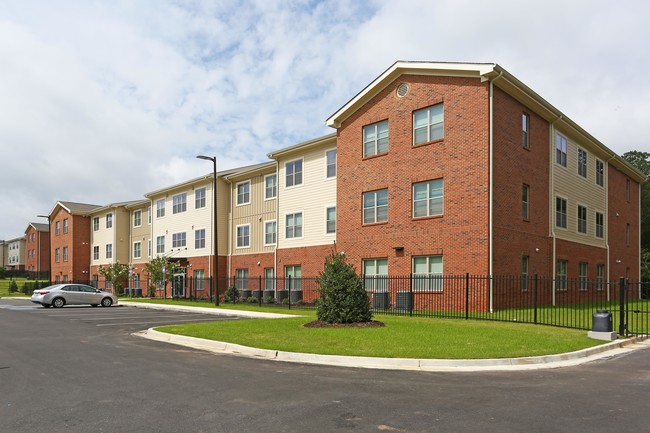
[(78, 242), (40, 261), (310, 259), (461, 159), (620, 213), (250, 262)]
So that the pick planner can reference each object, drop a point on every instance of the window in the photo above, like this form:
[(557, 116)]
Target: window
[(525, 129), (179, 240), (525, 200), (582, 163), (560, 212), (427, 198), (65, 254), (199, 239), (428, 124), (294, 225), (109, 251), (375, 139), (149, 248), (294, 172), (524, 272), (600, 225), (375, 274), (600, 173), (427, 273), (137, 250), (330, 157), (199, 279), (160, 244), (269, 279), (199, 198), (270, 232), (330, 220), (160, 208), (560, 279), (149, 214), (293, 277), (627, 235), (241, 279), (65, 226), (244, 236), (179, 203), (600, 277), (582, 275), (57, 228), (109, 220), (560, 150), (582, 219), (96, 252), (137, 218), (243, 193), (375, 206), (270, 186)]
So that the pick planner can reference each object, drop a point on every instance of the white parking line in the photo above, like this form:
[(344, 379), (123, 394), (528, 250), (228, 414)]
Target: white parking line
[(159, 321), (130, 317)]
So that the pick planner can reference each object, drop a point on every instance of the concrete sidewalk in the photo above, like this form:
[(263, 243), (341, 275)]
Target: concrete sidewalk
[(608, 350)]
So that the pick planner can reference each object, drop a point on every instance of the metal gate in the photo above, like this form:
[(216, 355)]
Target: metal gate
[(634, 308), (178, 286)]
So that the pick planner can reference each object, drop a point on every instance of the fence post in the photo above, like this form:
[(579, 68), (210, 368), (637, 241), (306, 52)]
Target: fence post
[(289, 296), (621, 321), (535, 299), (259, 287), (411, 297), (466, 295)]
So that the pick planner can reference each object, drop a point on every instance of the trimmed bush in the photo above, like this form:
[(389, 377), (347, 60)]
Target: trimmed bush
[(13, 287), (231, 295), (342, 296)]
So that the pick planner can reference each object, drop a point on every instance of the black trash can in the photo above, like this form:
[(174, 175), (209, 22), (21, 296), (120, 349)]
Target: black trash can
[(602, 321)]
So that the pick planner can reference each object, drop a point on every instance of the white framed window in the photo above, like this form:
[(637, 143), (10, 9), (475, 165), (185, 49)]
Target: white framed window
[(330, 220), (293, 226), (179, 203), (560, 275), (582, 219), (109, 220), (137, 218), (244, 236), (137, 250), (66, 225), (241, 279), (330, 163), (243, 193), (199, 239), (179, 240), (293, 277), (560, 212), (149, 248), (65, 254), (429, 124), (375, 274), (524, 272), (428, 198), (600, 277), (57, 228), (525, 201), (199, 279), (600, 173), (109, 251), (57, 255), (160, 208), (293, 171), (160, 244), (560, 149), (582, 163), (149, 215), (375, 139), (269, 279), (375, 206), (600, 225), (199, 198), (270, 186), (270, 232), (582, 275), (427, 273), (525, 129), (95, 252)]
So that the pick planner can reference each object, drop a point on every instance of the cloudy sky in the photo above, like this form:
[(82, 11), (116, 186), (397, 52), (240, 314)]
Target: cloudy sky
[(104, 101)]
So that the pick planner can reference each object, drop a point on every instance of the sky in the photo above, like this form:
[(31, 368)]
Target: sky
[(104, 101)]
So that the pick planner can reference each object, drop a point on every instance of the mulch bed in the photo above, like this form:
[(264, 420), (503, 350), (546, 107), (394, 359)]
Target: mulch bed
[(318, 324)]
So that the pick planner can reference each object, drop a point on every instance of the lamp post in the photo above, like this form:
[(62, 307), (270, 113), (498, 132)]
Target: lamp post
[(215, 267), (49, 249)]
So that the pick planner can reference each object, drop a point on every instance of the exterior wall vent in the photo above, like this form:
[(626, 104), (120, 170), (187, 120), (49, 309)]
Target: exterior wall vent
[(402, 90)]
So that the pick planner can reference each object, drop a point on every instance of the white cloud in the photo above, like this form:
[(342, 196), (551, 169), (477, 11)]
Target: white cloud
[(105, 101)]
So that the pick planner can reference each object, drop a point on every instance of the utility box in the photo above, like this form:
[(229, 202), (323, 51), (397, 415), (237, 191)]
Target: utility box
[(380, 300), (601, 326)]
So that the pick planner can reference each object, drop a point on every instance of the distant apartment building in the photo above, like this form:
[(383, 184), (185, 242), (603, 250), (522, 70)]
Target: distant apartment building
[(37, 246), (140, 242), (15, 253)]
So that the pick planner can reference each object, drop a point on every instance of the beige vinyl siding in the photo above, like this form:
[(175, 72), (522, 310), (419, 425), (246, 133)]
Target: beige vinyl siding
[(258, 211), (312, 197), (578, 191), (121, 227), (141, 234)]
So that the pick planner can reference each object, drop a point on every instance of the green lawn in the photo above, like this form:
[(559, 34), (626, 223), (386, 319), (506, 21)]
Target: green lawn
[(4, 286), (402, 337)]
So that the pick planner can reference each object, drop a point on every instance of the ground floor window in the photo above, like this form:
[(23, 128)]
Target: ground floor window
[(582, 275), (293, 277), (269, 279), (560, 275), (199, 279), (241, 279), (427, 273), (375, 274), (600, 277), (524, 272)]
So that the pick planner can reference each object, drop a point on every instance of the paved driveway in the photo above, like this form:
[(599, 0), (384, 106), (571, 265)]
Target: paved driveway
[(77, 370)]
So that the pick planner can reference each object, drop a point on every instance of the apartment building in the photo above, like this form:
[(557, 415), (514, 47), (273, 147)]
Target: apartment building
[(140, 241), (15, 254), (448, 168), (37, 246)]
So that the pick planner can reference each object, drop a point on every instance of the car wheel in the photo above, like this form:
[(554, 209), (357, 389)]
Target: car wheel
[(107, 302), (58, 302)]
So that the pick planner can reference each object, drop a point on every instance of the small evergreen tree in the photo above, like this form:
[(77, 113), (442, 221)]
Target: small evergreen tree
[(13, 287), (342, 296)]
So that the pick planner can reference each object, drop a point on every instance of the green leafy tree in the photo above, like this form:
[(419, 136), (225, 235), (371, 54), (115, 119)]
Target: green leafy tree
[(117, 274), (342, 296), (641, 160), (157, 276)]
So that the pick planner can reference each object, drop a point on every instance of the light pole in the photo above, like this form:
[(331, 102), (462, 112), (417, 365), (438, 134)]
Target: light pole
[(215, 276), (49, 249)]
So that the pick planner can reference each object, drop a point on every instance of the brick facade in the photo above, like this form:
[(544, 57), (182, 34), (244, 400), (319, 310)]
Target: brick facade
[(77, 240)]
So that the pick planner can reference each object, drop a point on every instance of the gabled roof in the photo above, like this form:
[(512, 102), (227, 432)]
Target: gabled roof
[(75, 208), (485, 72), (251, 170), (39, 227), (302, 146), (115, 205)]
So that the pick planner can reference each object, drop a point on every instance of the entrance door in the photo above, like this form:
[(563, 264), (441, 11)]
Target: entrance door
[(178, 286)]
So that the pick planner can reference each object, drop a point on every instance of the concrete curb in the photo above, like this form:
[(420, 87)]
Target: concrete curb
[(205, 310), (433, 365)]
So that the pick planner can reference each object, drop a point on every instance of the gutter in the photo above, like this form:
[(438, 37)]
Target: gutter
[(491, 193)]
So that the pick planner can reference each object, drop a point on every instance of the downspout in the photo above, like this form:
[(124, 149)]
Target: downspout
[(490, 193), (552, 205), (229, 225), (606, 184)]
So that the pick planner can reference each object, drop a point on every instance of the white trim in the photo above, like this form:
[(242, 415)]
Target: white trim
[(237, 246), (276, 187), (335, 220), (237, 204), (302, 173), (325, 152), (276, 232), (284, 220)]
